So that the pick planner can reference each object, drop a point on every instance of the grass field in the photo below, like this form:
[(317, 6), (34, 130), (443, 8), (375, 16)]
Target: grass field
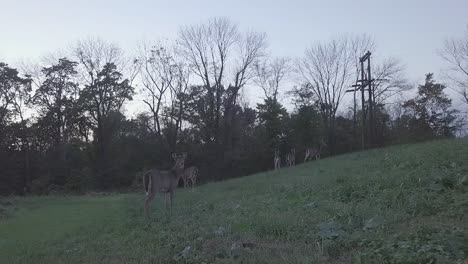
[(402, 204)]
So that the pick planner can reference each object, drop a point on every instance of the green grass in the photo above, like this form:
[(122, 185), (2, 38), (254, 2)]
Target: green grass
[(402, 204)]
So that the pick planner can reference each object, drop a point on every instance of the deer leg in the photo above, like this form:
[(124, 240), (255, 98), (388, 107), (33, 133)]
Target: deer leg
[(148, 200), (171, 194)]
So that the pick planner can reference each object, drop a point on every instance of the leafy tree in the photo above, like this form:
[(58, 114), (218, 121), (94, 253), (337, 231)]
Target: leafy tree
[(306, 127), (14, 133), (102, 100), (431, 113), (14, 92), (57, 99), (272, 117)]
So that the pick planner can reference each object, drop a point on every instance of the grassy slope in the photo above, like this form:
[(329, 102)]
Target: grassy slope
[(272, 217)]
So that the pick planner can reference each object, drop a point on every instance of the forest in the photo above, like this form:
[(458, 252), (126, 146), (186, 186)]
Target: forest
[(64, 127)]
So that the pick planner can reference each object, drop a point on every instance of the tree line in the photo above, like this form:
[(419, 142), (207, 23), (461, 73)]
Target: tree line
[(63, 128)]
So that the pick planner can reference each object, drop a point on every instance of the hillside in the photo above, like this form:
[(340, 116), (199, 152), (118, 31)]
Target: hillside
[(402, 204)]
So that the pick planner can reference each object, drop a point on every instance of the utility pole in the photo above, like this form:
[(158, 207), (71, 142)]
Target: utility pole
[(366, 81), (371, 101)]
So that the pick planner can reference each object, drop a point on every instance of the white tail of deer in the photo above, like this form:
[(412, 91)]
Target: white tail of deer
[(190, 176), (291, 158), (277, 160), (314, 153), (165, 182)]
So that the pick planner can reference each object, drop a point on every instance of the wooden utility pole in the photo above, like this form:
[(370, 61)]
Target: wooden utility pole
[(365, 83), (369, 82)]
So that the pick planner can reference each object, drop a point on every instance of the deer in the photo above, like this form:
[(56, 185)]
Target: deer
[(277, 160), (190, 176), (312, 153), (163, 181), (291, 158)]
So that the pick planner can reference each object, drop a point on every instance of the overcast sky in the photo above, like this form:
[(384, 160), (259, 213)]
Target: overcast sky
[(411, 30)]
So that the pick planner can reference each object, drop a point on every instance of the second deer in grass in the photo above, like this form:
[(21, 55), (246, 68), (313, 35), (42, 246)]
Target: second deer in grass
[(277, 160), (190, 176), (163, 181), (314, 153), (291, 158)]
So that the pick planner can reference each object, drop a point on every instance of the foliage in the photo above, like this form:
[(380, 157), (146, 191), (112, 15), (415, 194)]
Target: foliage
[(430, 112), (65, 125)]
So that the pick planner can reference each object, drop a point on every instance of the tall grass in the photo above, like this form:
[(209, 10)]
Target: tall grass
[(402, 204)]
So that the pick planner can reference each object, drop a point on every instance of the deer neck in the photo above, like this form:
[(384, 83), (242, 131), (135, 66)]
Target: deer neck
[(177, 171)]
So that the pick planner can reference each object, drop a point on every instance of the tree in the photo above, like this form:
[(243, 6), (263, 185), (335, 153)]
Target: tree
[(251, 47), (101, 66), (269, 75), (165, 80), (207, 48), (14, 92), (14, 132), (157, 73), (430, 113), (103, 99), (272, 129), (389, 80), (326, 70), (175, 112), (216, 50), (455, 52), (57, 97)]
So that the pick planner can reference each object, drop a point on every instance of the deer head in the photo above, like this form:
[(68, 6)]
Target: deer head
[(179, 160), (323, 144)]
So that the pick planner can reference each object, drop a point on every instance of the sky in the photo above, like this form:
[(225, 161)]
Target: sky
[(410, 30)]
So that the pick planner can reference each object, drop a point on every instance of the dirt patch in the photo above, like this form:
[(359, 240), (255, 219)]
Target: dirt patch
[(345, 259), (214, 245), (98, 193), (442, 222), (271, 244), (5, 203), (4, 208)]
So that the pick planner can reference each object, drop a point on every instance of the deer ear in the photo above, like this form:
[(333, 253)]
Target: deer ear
[(174, 155)]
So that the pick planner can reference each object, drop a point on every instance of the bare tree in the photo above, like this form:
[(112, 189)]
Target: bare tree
[(165, 79), (269, 75), (180, 89), (251, 48), (455, 52), (157, 74), (214, 50), (327, 70), (207, 48), (94, 53), (389, 80)]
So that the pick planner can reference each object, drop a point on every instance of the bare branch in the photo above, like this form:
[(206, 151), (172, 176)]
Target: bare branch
[(455, 52), (94, 53), (269, 75)]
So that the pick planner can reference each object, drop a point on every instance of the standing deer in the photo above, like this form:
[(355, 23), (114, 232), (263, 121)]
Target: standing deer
[(291, 158), (312, 153), (277, 160), (165, 182), (190, 176)]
